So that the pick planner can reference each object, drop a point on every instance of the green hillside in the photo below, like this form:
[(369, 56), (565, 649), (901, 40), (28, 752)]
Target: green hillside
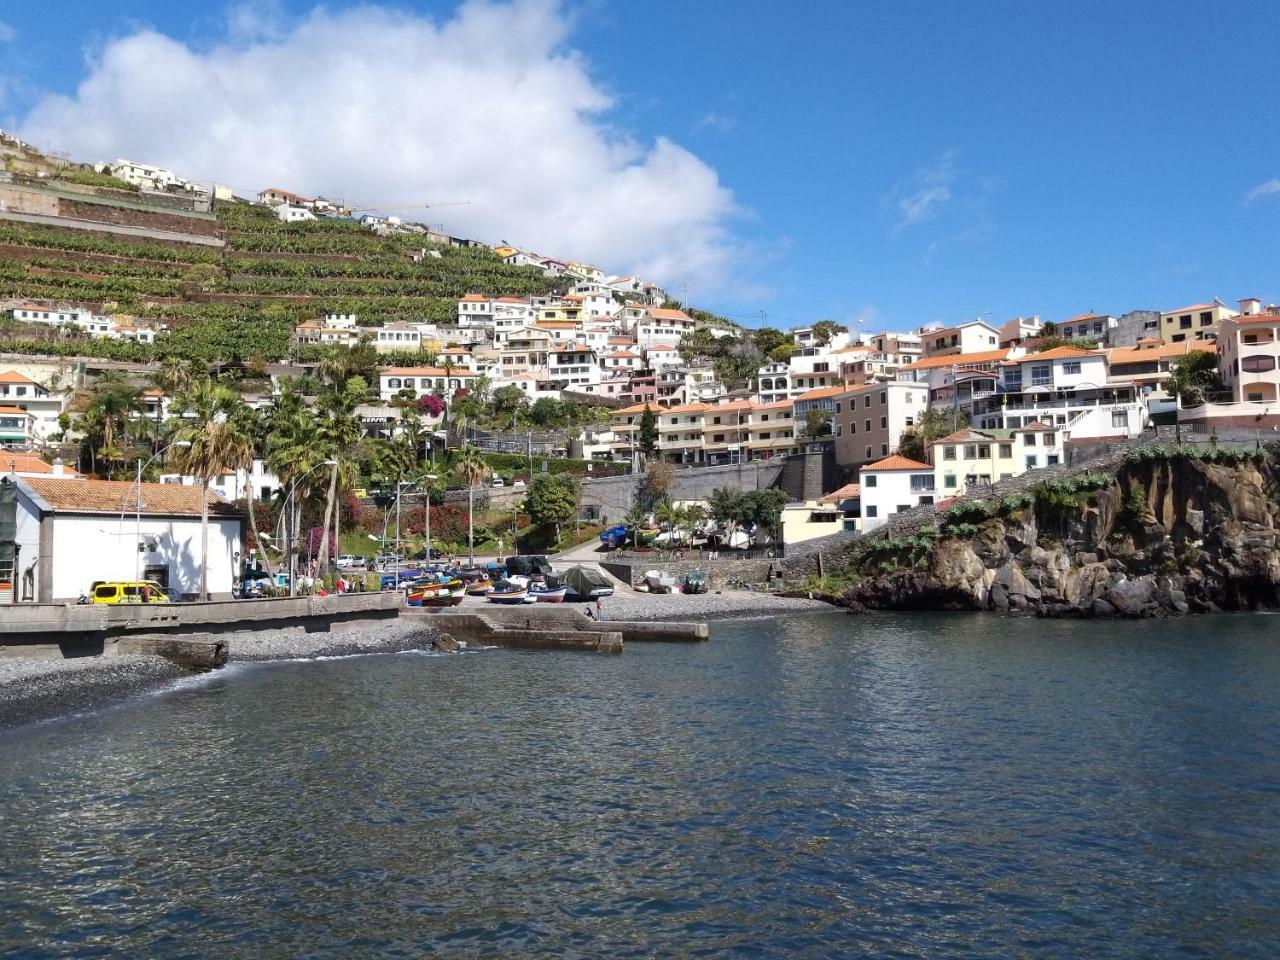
[(227, 304)]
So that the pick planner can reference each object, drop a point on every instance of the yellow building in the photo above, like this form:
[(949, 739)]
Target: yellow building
[(969, 457), (1196, 322)]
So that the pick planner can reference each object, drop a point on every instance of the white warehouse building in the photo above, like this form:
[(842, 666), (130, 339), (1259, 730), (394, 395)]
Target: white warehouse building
[(63, 534)]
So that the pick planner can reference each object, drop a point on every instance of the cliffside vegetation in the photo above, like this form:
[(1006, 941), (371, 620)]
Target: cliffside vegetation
[(1172, 529)]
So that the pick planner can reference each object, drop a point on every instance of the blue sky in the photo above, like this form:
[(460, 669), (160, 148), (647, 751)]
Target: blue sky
[(900, 162)]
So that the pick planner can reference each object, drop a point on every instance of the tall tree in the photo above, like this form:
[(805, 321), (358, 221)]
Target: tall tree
[(108, 420), (553, 500), (340, 436), (207, 420), (648, 440), (472, 468), (295, 449)]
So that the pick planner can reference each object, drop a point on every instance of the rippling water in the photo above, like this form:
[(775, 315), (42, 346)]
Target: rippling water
[(907, 786)]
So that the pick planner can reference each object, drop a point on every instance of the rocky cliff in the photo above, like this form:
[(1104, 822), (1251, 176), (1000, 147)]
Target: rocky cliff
[(1163, 534)]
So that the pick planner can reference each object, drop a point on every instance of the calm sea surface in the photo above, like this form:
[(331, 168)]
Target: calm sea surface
[(816, 786)]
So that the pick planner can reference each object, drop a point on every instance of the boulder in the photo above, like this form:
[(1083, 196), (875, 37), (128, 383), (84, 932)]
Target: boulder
[(1131, 597)]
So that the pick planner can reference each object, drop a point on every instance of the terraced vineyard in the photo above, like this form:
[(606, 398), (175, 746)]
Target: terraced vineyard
[(228, 304)]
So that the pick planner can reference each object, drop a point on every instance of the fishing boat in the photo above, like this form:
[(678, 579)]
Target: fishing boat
[(695, 581), (660, 581), (586, 583), (614, 537), (472, 574), (504, 591), (480, 587), (425, 590), (443, 598), (548, 593)]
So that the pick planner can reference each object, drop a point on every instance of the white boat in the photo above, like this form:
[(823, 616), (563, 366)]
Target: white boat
[(659, 581)]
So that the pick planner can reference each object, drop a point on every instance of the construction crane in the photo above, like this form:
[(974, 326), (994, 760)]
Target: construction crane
[(408, 206)]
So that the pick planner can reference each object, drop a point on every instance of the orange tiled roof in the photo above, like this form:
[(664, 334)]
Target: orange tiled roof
[(1193, 307), (30, 463), (14, 411), (662, 313), (111, 496), (1060, 353), (958, 359), (820, 393), (426, 372), (13, 376), (847, 492), (896, 462), (1122, 355), (636, 408)]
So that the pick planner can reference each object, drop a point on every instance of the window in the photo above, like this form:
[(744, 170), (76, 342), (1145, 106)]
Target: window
[(853, 427), (1031, 461), (903, 508), (1206, 319), (884, 397), (948, 452), (1051, 460), (949, 481), (1006, 451), (1184, 322), (1041, 375), (1071, 367), (393, 383), (866, 425), (1120, 418), (1028, 439), (837, 406), (1178, 337), (837, 429), (870, 479), (924, 482), (884, 449), (1254, 397), (984, 451), (870, 510), (866, 401)]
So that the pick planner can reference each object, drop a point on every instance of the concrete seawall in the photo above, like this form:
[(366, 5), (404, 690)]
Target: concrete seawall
[(560, 629), (183, 632)]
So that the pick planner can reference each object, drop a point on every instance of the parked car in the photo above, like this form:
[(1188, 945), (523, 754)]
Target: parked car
[(139, 591), (352, 561), (386, 559), (435, 555), (498, 481)]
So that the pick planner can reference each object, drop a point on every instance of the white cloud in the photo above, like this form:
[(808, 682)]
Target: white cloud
[(925, 194), (1270, 188), (7, 33), (381, 106), (718, 122)]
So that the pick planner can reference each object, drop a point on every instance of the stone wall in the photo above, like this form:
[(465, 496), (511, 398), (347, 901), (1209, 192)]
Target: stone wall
[(719, 572), (607, 499)]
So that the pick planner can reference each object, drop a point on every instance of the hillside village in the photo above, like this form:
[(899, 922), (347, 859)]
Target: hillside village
[(124, 285)]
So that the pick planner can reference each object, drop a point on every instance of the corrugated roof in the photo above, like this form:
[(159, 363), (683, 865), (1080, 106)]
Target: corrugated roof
[(117, 496)]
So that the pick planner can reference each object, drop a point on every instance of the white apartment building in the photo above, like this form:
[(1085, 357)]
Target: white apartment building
[(663, 326), (573, 366), (973, 337), (148, 177), (395, 337), (290, 213), (232, 485), (773, 383), (423, 381)]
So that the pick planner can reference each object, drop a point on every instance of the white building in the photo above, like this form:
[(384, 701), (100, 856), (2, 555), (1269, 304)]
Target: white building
[(71, 532), (975, 336), (290, 213), (146, 176), (233, 484), (773, 383), (20, 391), (663, 326), (893, 485), (394, 337)]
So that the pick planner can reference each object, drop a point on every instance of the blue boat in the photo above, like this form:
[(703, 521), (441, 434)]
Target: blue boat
[(614, 536)]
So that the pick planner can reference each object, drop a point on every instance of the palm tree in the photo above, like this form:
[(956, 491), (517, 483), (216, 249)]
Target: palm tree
[(474, 470), (634, 519), (209, 423), (252, 425), (294, 450), (340, 432), (108, 419)]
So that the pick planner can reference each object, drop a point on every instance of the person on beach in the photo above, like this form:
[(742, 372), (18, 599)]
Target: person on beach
[(599, 608)]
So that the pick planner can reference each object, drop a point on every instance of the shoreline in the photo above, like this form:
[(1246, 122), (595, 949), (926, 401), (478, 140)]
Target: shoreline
[(35, 689)]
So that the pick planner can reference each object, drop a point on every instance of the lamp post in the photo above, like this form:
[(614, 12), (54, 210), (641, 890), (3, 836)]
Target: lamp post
[(293, 526), (137, 505), (399, 493)]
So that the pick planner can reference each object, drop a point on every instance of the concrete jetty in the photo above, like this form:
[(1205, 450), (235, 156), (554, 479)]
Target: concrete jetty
[(543, 627)]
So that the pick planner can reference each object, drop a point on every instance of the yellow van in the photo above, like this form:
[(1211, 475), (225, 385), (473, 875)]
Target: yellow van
[(129, 591)]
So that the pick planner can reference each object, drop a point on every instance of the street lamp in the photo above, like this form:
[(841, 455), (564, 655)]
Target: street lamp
[(293, 527), (137, 505), (399, 493)]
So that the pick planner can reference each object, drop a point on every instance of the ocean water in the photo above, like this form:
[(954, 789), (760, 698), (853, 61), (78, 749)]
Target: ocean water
[(810, 786)]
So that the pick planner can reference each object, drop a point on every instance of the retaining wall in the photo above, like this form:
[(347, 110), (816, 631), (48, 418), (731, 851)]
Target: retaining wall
[(719, 572), (607, 499)]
